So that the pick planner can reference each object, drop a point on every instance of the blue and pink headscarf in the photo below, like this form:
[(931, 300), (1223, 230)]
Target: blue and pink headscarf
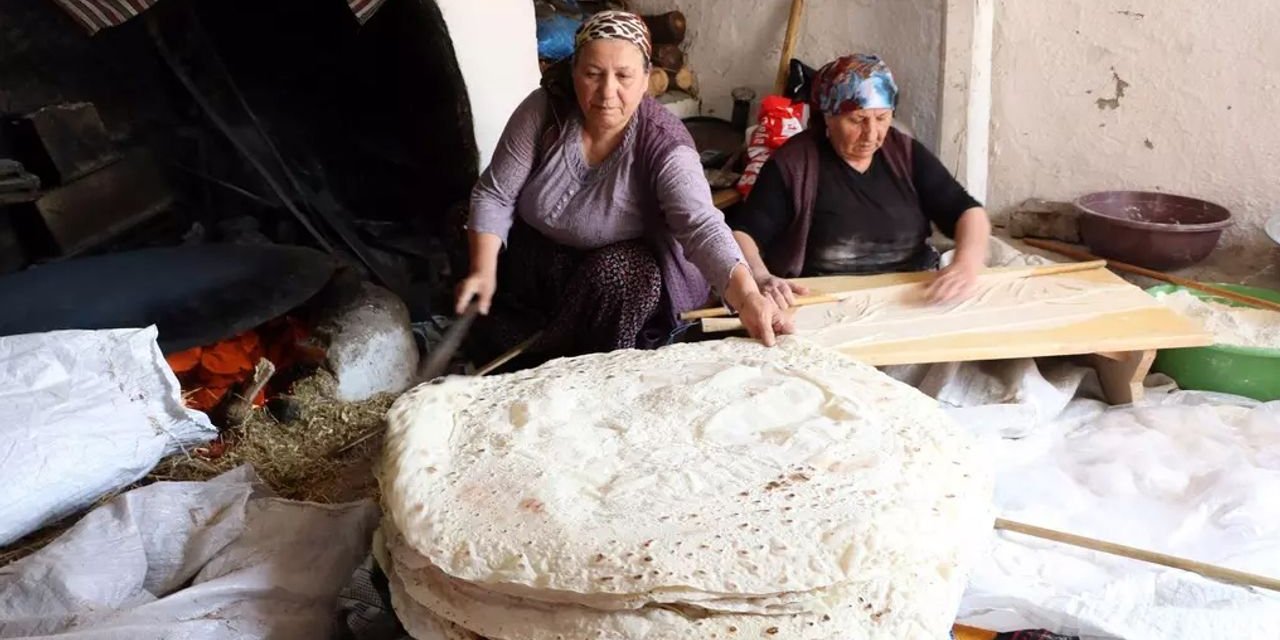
[(850, 83)]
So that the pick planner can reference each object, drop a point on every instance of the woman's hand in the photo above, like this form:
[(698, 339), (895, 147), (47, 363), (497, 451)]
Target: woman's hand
[(783, 292), (759, 314), (960, 278), (480, 285), (483, 281), (956, 282), (762, 318)]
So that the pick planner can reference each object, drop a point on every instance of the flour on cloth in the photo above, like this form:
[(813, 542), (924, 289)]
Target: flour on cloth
[(1230, 325), (1190, 474)]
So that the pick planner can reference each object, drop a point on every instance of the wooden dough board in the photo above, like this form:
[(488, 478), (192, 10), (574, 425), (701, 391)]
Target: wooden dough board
[(1144, 330)]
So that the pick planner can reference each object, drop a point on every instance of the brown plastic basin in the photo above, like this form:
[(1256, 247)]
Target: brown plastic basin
[(1152, 230)]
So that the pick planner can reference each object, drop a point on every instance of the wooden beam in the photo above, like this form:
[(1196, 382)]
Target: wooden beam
[(1122, 374), (788, 46), (965, 92)]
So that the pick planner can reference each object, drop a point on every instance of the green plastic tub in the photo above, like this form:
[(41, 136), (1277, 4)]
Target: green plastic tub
[(1242, 371)]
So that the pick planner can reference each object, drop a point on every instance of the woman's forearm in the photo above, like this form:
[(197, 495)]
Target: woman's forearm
[(484, 252), (751, 252), (973, 234), (741, 286)]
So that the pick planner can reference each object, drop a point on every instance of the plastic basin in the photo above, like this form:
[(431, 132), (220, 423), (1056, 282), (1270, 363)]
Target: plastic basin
[(1153, 230), (1242, 371)]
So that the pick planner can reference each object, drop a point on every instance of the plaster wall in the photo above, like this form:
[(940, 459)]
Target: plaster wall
[(498, 59), (733, 43), (1169, 95)]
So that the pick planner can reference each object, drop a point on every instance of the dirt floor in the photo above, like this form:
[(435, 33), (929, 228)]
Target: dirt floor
[(329, 454)]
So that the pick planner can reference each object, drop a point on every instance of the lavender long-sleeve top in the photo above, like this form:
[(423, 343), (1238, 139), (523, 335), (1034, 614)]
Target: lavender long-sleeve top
[(587, 207)]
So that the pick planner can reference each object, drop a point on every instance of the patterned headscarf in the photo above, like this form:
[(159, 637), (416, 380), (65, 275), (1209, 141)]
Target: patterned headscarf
[(859, 81), (619, 25)]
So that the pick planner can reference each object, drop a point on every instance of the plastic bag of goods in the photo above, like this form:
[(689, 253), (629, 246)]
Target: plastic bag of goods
[(779, 120), (555, 36), (83, 414)]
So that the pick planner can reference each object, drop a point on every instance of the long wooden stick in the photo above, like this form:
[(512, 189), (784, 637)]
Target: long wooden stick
[(509, 355), (801, 301), (1078, 254), (788, 46), (1174, 562), (714, 319)]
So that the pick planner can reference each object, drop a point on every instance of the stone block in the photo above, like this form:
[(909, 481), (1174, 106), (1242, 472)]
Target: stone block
[(371, 349), (95, 208), (63, 142), (1036, 218)]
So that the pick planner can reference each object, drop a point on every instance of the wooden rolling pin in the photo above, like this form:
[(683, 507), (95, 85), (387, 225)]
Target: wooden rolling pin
[(801, 301), (1210, 571), (1078, 254), (714, 319)]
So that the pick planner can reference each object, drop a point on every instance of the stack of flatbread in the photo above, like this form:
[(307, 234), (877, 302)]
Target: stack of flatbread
[(713, 490)]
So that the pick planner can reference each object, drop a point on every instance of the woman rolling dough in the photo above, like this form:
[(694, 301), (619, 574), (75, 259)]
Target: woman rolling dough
[(854, 195)]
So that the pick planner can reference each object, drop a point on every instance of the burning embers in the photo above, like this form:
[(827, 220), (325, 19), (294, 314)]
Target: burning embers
[(229, 378)]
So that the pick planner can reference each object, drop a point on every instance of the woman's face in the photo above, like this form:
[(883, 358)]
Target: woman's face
[(857, 135), (610, 78)]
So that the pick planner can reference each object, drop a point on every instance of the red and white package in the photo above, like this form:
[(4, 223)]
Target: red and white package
[(779, 120)]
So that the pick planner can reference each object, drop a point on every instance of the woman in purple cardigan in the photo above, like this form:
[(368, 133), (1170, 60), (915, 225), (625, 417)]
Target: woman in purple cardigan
[(597, 193), (853, 195)]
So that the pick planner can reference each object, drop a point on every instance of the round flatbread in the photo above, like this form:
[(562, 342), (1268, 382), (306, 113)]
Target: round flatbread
[(719, 478)]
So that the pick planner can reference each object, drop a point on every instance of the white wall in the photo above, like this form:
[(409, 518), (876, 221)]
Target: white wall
[(1198, 114), (496, 44), (732, 43)]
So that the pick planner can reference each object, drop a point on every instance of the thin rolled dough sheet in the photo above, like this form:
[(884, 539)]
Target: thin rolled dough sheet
[(614, 493), (1001, 303)]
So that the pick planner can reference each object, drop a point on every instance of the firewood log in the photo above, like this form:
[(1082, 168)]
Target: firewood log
[(658, 82), (683, 79), (668, 56), (667, 28)]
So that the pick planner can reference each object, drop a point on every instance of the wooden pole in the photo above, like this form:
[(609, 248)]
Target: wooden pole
[(823, 298), (509, 355), (1078, 254), (1174, 562), (788, 46)]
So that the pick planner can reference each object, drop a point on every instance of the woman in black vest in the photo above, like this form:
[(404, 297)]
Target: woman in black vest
[(854, 195)]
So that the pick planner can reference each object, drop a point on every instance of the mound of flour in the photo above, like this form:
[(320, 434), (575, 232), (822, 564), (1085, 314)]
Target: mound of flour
[(1235, 326)]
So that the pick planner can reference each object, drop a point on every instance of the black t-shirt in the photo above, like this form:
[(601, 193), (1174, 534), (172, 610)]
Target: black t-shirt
[(862, 222)]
